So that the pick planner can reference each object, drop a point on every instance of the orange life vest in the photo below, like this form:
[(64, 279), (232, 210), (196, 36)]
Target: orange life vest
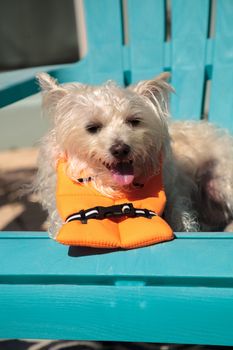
[(137, 221)]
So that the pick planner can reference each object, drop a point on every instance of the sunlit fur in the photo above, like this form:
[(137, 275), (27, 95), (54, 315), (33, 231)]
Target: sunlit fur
[(204, 156), (72, 107)]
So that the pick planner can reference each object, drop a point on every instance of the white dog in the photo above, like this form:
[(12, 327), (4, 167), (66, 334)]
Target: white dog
[(117, 136)]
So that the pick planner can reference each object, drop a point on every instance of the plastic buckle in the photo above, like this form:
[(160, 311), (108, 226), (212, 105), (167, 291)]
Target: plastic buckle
[(114, 210), (111, 211), (104, 212)]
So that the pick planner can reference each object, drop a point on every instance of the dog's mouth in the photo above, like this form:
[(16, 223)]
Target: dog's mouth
[(122, 172)]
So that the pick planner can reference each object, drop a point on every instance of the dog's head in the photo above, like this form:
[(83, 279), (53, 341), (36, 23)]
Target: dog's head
[(117, 134)]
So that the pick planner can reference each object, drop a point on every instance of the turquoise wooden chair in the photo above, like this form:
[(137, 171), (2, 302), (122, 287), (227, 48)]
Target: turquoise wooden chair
[(176, 292)]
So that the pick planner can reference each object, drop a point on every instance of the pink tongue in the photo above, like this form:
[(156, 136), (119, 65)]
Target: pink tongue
[(123, 180), (123, 173)]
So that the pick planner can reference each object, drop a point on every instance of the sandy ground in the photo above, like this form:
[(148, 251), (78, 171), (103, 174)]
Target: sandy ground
[(19, 210)]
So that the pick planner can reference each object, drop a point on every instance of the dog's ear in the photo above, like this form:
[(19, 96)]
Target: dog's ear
[(157, 90), (46, 82), (52, 92)]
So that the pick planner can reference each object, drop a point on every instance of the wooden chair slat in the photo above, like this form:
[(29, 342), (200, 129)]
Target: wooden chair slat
[(189, 36), (164, 314), (191, 254), (221, 103), (105, 40), (146, 24)]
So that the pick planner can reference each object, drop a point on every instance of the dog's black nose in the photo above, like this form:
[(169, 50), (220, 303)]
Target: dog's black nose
[(120, 150)]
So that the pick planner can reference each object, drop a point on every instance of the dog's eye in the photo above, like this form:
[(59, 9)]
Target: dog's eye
[(93, 128), (133, 122)]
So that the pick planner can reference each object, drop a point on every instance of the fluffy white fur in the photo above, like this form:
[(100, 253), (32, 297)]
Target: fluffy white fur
[(197, 158)]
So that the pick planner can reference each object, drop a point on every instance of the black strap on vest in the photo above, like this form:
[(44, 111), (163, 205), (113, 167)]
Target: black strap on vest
[(114, 211)]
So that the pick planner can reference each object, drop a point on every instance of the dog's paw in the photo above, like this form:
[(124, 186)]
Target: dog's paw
[(229, 227)]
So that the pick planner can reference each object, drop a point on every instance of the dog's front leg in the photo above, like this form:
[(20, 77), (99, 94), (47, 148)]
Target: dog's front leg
[(180, 215)]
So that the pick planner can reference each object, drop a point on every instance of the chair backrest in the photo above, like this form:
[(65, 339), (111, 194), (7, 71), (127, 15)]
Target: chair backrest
[(199, 51), (129, 40)]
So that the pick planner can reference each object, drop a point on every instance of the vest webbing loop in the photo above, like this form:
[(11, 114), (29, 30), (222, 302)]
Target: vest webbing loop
[(113, 211)]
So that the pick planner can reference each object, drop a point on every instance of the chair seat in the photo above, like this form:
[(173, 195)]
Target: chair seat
[(177, 292)]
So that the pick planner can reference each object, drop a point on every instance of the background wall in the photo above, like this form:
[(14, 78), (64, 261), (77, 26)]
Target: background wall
[(35, 32)]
